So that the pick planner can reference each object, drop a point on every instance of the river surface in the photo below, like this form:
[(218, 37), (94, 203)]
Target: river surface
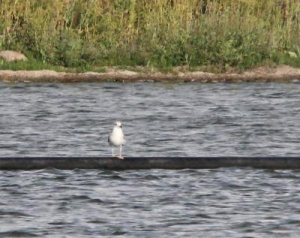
[(192, 119)]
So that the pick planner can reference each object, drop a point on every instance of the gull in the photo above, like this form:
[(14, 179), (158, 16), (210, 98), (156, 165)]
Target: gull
[(116, 139)]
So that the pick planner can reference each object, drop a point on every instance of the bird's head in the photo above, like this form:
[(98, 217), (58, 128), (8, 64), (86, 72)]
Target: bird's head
[(118, 124)]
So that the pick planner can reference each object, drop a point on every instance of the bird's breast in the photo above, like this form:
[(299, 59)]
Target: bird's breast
[(117, 137)]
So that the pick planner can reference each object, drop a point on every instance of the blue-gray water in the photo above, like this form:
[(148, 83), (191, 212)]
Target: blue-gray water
[(159, 119)]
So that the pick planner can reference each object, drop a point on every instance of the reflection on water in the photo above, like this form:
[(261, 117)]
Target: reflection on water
[(159, 119)]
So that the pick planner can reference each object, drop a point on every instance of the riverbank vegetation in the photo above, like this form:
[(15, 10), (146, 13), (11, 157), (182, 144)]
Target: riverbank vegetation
[(158, 33)]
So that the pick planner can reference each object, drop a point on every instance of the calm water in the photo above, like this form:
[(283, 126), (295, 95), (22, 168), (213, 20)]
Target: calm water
[(159, 119)]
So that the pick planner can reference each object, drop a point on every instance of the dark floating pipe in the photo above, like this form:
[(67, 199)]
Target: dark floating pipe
[(31, 163)]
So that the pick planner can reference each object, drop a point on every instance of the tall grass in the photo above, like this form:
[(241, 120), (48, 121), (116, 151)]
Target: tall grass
[(156, 33)]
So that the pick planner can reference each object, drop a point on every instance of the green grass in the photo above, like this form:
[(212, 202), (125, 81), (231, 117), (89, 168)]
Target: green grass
[(33, 64), (28, 65), (88, 35)]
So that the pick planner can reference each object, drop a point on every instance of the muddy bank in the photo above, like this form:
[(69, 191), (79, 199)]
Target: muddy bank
[(280, 73)]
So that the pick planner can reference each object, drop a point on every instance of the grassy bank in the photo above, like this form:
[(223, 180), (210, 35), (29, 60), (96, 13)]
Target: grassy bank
[(89, 34)]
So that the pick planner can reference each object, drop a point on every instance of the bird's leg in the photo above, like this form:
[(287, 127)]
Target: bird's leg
[(112, 151), (120, 153)]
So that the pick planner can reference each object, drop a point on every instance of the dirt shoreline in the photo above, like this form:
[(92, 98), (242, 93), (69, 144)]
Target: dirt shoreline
[(281, 73)]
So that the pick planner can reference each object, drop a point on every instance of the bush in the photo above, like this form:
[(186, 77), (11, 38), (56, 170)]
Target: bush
[(161, 33)]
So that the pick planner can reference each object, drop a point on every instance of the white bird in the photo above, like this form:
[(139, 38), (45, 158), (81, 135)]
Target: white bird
[(116, 139)]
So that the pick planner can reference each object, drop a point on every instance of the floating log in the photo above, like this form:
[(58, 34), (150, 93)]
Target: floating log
[(32, 163)]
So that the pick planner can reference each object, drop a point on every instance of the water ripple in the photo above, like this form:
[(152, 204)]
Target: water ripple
[(159, 120)]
